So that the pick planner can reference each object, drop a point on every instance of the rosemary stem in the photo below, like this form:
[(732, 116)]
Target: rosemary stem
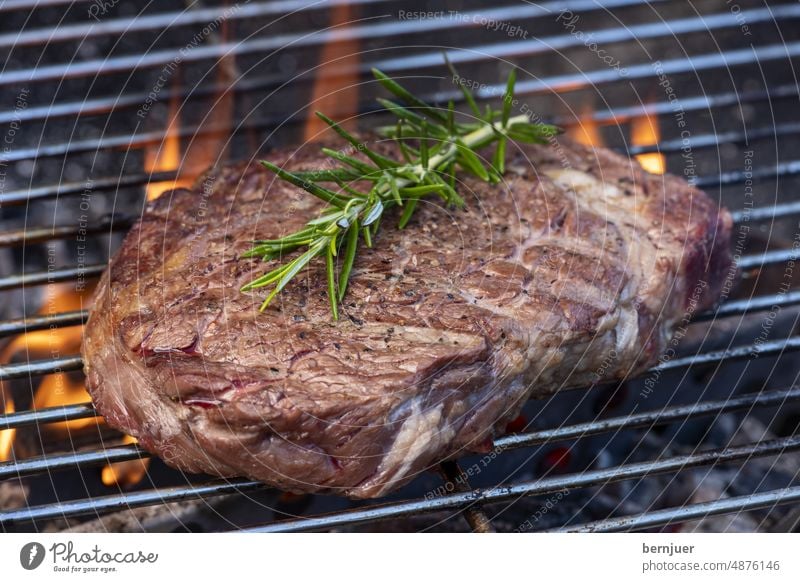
[(471, 139)]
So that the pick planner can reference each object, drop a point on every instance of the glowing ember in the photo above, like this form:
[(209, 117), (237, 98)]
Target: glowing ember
[(125, 473), (645, 131)]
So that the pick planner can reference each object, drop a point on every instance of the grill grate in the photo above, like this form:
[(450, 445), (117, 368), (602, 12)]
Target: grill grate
[(462, 499)]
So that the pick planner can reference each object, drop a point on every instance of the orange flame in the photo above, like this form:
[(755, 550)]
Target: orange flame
[(125, 473), (645, 131), (335, 92), (586, 130), (7, 436), (58, 389), (47, 342), (166, 156), (210, 146), (61, 390)]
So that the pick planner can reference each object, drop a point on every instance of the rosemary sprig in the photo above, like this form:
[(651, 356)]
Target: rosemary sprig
[(433, 145)]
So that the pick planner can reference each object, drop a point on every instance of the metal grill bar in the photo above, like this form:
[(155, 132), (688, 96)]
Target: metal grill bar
[(24, 325), (127, 501), (767, 212), (538, 487), (649, 418), (457, 479), (405, 509), (130, 63), (40, 367), (47, 415), (17, 197), (690, 512), (770, 348), (768, 258), (698, 103), (753, 304), (112, 142), (47, 233), (715, 139), (54, 276), (11, 5), (49, 463), (779, 170)]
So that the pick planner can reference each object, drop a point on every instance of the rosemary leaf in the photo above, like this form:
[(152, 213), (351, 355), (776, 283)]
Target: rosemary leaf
[(359, 165), (392, 86), (349, 258), (332, 296), (464, 91), (408, 211), (508, 97), (499, 160), (373, 214), (377, 159), (310, 187)]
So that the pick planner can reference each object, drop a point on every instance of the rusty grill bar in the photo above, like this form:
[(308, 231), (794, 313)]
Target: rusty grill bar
[(463, 498)]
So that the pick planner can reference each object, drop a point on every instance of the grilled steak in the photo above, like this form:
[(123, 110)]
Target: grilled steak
[(573, 272)]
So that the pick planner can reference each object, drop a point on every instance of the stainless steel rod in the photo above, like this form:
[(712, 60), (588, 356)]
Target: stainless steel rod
[(649, 418), (691, 512), (39, 322), (769, 348), (46, 415), (54, 276), (112, 503), (751, 305), (34, 234), (48, 463), (40, 367), (18, 197)]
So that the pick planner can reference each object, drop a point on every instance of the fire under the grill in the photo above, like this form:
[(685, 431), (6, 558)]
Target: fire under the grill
[(122, 101)]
